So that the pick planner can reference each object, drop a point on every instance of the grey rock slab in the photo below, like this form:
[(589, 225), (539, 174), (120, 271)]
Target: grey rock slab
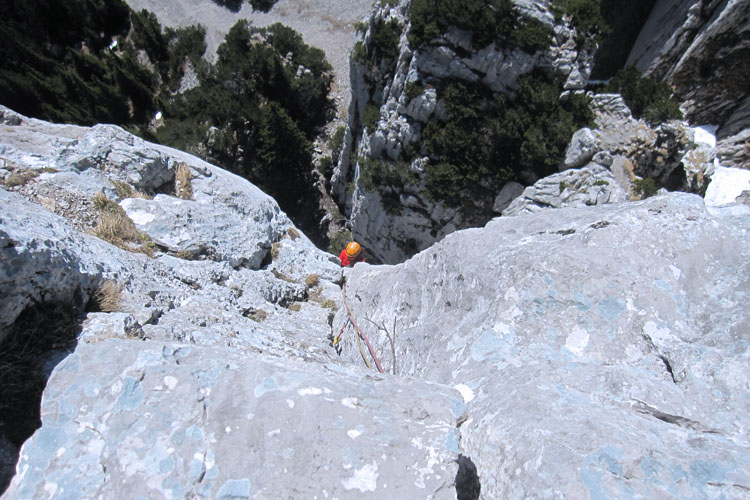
[(591, 185), (125, 419), (605, 349)]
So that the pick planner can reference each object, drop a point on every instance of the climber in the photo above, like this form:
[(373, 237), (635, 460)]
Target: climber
[(352, 254)]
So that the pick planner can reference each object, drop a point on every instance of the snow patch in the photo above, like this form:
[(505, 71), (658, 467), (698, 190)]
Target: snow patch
[(364, 479), (705, 134), (577, 341), (726, 185), (465, 391), (310, 391)]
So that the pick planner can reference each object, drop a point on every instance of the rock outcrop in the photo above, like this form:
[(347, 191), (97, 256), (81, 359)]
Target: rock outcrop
[(565, 353), (401, 119), (602, 351), (702, 49)]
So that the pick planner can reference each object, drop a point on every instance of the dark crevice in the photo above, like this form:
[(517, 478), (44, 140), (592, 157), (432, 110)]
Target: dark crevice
[(467, 480), (42, 336), (668, 365)]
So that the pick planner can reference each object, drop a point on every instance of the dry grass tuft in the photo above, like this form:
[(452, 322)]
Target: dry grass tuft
[(125, 190), (275, 248), (292, 233), (117, 228), (312, 280), (20, 177), (108, 296), (295, 307), (183, 182), (258, 315)]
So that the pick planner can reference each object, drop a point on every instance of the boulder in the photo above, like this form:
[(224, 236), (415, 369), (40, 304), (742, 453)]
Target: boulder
[(591, 185)]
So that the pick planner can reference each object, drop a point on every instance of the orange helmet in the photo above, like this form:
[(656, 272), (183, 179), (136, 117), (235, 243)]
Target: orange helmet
[(353, 249)]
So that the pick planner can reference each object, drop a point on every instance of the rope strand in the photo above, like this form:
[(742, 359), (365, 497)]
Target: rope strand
[(367, 341)]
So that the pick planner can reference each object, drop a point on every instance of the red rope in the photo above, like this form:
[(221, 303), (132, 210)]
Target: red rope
[(351, 318)]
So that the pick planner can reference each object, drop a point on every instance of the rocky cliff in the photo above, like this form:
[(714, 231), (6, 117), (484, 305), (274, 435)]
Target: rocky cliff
[(398, 87), (402, 108), (594, 351), (702, 48)]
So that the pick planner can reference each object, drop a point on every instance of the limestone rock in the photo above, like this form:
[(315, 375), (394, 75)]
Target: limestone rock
[(701, 49), (127, 420), (601, 349), (507, 194), (735, 150), (581, 149), (398, 134), (591, 185)]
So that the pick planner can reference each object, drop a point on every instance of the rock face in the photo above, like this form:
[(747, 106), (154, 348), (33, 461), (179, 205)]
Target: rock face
[(602, 350), (702, 49), (393, 237), (565, 353)]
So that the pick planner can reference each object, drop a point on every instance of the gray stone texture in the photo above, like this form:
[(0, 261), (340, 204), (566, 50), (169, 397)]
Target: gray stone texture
[(603, 350), (125, 419)]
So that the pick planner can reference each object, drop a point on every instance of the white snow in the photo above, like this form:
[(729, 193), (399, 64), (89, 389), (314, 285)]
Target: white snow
[(705, 134), (465, 391), (726, 185), (364, 479)]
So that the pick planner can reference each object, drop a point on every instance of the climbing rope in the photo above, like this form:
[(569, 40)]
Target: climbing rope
[(359, 343), (361, 333)]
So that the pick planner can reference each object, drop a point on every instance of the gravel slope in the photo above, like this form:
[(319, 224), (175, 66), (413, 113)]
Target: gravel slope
[(327, 24)]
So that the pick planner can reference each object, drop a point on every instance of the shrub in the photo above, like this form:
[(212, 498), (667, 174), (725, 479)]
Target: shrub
[(325, 167), (531, 35), (647, 98), (359, 52), (262, 5), (370, 117), (339, 241), (336, 142), (377, 174), (585, 16), (20, 177), (487, 140), (413, 89), (644, 188), (385, 39), (488, 20)]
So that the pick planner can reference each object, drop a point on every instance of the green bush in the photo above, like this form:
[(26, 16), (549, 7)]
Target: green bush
[(413, 89), (359, 53), (370, 116), (487, 140), (385, 39), (378, 174), (335, 143), (531, 35), (325, 167), (648, 99), (585, 16), (645, 188), (488, 21), (262, 5)]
